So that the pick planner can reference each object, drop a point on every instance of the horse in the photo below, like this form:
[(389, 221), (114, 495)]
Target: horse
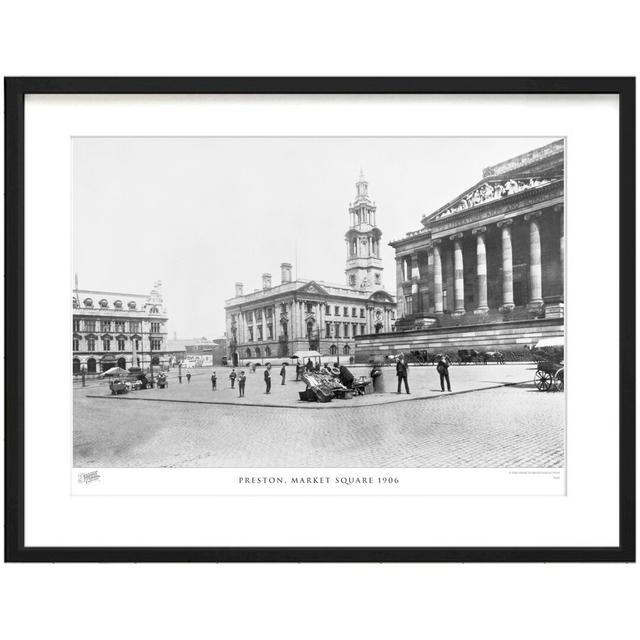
[(497, 356)]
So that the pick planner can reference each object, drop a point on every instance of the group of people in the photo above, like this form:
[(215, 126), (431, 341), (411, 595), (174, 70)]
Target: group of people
[(402, 373), (345, 376)]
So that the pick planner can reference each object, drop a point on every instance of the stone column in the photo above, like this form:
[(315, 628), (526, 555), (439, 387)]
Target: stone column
[(437, 277), (507, 266), (535, 260), (458, 270), (399, 296), (481, 270)]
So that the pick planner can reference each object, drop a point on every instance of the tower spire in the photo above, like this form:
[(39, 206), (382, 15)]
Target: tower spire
[(364, 266)]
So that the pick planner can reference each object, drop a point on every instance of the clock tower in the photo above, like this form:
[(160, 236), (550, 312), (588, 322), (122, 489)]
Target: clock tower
[(364, 266)]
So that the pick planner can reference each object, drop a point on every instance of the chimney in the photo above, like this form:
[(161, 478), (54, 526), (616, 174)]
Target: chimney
[(238, 289), (266, 281), (285, 272)]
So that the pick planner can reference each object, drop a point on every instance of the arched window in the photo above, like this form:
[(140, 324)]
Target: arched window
[(333, 350), (131, 304), (258, 353), (76, 365), (117, 304), (103, 303), (267, 352), (91, 365), (88, 302), (346, 350), (248, 352), (122, 363), (352, 280)]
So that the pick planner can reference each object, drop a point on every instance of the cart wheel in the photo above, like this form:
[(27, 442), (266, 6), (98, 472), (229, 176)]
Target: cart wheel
[(543, 380), (559, 380)]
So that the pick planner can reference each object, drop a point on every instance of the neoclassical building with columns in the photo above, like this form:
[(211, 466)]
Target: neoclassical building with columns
[(486, 269), (301, 314)]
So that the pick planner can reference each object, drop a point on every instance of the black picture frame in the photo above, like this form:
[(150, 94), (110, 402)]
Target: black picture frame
[(15, 91)]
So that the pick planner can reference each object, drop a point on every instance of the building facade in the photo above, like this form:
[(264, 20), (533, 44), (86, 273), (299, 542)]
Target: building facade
[(118, 330), (302, 314), (487, 268)]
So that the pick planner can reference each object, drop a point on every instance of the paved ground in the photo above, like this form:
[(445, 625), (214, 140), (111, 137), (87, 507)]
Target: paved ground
[(495, 426)]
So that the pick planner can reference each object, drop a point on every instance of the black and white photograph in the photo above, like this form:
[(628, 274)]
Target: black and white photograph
[(318, 302)]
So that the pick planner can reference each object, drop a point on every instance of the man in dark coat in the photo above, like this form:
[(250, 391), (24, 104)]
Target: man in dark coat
[(309, 365), (283, 372), (402, 371), (214, 381), (242, 379), (346, 377), (443, 370), (232, 376), (267, 377)]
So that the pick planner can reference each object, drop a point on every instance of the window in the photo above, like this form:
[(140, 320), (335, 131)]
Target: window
[(309, 307), (270, 328), (89, 325), (327, 330), (103, 303), (337, 329), (408, 305), (248, 352), (105, 325), (155, 327), (259, 332), (337, 311), (345, 311), (250, 334), (346, 350), (134, 327), (267, 352), (121, 346), (333, 350), (76, 344), (259, 315), (377, 278), (119, 326), (106, 345), (156, 344), (76, 325), (91, 365), (328, 310), (91, 344), (362, 313), (352, 280), (354, 312), (361, 329), (88, 302)]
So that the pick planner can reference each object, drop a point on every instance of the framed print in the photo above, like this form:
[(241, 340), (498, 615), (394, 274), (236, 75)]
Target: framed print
[(320, 319)]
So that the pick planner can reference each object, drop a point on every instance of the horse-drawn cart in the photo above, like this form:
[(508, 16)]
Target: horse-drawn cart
[(549, 354)]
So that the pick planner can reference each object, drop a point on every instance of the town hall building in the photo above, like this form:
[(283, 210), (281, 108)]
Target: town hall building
[(279, 320)]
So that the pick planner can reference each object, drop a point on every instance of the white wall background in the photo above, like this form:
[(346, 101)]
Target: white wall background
[(332, 38)]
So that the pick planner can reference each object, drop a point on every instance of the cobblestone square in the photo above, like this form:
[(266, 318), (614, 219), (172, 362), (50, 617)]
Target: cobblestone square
[(494, 418)]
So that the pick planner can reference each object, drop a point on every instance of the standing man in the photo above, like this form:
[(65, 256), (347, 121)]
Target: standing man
[(180, 373), (443, 370), (267, 377), (402, 371), (242, 379), (214, 381), (283, 372), (232, 376), (309, 365), (188, 377)]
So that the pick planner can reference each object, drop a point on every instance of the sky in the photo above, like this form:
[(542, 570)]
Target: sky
[(200, 214)]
